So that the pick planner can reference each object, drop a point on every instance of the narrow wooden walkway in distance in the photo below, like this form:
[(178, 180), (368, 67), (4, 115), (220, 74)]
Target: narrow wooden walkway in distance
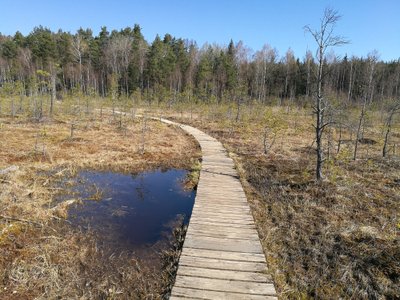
[(222, 256)]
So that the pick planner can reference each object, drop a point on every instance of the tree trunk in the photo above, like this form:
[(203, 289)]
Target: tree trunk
[(238, 103), (392, 112), (350, 82), (53, 93), (12, 107), (320, 119), (360, 124), (384, 150), (308, 78), (340, 139)]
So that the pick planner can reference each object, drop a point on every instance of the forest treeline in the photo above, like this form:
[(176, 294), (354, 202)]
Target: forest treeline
[(123, 62)]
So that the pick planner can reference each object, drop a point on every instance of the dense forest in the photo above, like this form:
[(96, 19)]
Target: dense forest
[(122, 63)]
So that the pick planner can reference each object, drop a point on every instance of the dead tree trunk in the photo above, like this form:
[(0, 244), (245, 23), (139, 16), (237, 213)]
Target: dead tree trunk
[(359, 127), (53, 93), (384, 150), (350, 82), (389, 121), (319, 112), (324, 38)]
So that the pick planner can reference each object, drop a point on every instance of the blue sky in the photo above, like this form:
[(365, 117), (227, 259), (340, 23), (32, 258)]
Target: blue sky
[(367, 24)]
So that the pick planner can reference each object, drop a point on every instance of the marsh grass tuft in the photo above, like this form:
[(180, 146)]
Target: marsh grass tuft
[(193, 176)]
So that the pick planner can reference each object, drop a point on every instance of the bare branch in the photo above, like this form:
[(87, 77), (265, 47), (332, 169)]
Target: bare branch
[(327, 124)]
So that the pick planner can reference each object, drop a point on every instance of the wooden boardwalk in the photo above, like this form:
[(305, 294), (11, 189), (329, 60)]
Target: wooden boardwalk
[(222, 256)]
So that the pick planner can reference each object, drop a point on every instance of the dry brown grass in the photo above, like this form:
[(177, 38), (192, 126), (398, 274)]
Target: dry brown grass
[(95, 144), (41, 257), (55, 263), (329, 240)]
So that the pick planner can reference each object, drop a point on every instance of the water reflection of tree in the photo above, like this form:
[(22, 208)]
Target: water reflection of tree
[(141, 190)]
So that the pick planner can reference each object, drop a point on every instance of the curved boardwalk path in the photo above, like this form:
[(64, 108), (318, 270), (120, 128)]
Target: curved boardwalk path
[(222, 256)]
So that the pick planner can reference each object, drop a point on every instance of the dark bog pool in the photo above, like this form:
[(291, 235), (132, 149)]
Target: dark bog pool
[(130, 212)]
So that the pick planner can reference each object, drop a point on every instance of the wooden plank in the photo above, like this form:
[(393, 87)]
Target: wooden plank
[(207, 193), (182, 293), (218, 163), (221, 200), (223, 244), (224, 274), (222, 221), (234, 194), (222, 186), (220, 206), (219, 172), (204, 195), (228, 185), (214, 208), (188, 293), (223, 229), (177, 297), (222, 264), (224, 235), (212, 204), (252, 246), (223, 213), (223, 217), (252, 288), (221, 191), (227, 196), (226, 200), (238, 256), (213, 223)]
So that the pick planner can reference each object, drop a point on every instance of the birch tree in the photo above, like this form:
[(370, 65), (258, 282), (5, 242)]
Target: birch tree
[(368, 92), (325, 38)]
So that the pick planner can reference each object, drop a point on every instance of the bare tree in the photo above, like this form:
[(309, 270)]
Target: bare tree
[(142, 54), (367, 98), (125, 53), (351, 80), (53, 75), (325, 38), (264, 61), (118, 56), (79, 46), (393, 110), (308, 60), (290, 61)]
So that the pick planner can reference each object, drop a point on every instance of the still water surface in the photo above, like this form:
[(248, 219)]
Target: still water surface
[(130, 212)]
